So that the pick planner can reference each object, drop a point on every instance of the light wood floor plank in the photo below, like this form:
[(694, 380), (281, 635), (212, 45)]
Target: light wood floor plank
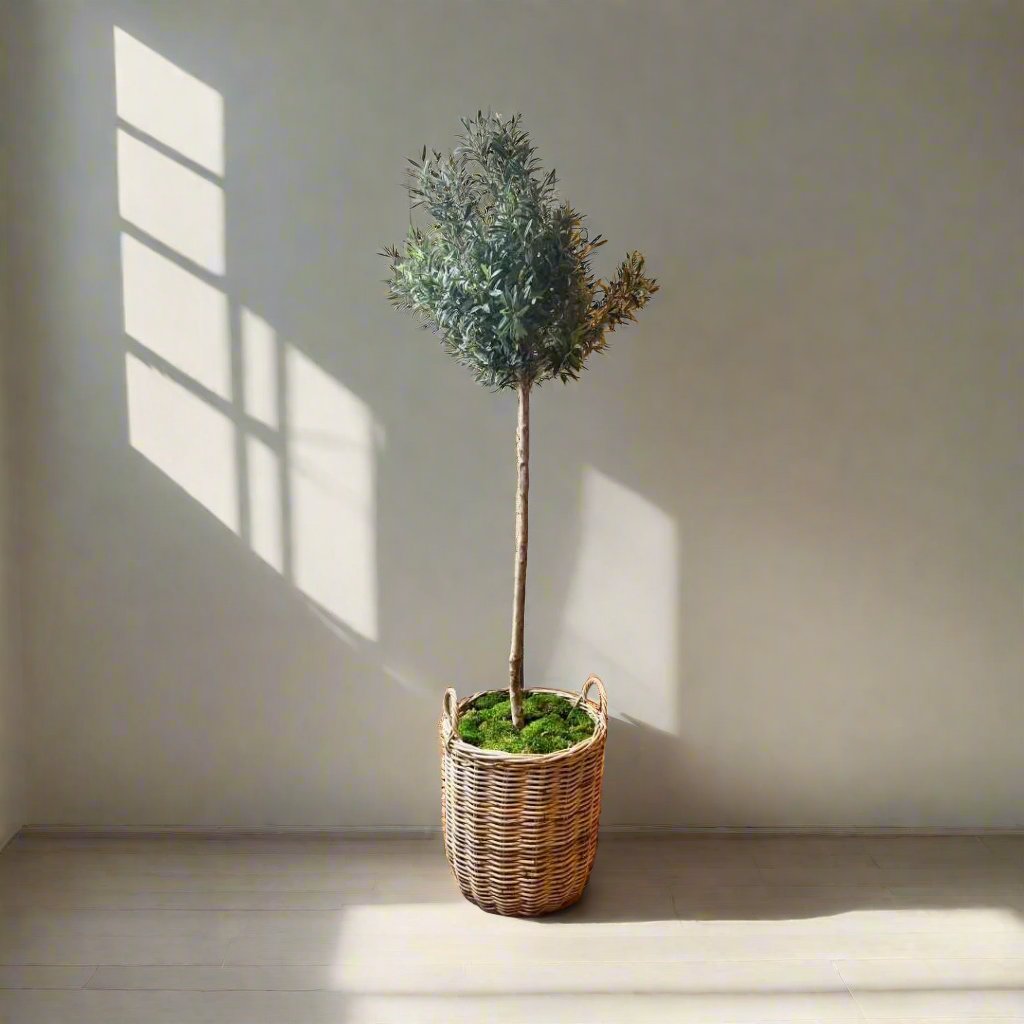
[(312, 930)]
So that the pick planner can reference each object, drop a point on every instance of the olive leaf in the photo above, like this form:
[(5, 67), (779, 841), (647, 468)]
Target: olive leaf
[(503, 270)]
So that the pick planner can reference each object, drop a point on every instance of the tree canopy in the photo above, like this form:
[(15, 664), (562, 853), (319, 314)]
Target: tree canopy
[(503, 272)]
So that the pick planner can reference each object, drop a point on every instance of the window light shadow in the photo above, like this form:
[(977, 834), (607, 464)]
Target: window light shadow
[(176, 316), (192, 442), (170, 202), (167, 103), (269, 443)]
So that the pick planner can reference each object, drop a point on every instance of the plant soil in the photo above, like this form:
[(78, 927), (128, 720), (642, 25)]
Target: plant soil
[(552, 723)]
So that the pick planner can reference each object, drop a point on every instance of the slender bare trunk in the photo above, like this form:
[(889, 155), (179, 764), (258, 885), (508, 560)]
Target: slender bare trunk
[(515, 657)]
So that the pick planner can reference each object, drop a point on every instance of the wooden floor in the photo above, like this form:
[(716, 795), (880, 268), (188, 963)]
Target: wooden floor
[(309, 931)]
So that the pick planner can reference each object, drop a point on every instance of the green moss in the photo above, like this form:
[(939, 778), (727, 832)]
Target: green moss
[(552, 723)]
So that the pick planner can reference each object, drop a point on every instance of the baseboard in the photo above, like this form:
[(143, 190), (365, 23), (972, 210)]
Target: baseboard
[(814, 830), (234, 831), (429, 831)]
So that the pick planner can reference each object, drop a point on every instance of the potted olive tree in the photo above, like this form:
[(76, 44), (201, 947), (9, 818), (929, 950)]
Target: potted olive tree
[(501, 271)]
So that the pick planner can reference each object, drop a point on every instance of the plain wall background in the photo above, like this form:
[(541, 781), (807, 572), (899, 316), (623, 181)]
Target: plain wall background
[(12, 760), (12, 755), (780, 516)]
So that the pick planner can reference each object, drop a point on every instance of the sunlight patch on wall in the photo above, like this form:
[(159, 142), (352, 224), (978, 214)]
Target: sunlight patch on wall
[(622, 601), (184, 436), (266, 536), (331, 453), (175, 315), (170, 202), (169, 104), (259, 357), (264, 439)]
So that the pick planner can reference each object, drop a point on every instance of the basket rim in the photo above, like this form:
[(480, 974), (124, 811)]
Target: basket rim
[(453, 743)]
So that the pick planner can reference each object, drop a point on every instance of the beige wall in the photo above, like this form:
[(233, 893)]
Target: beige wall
[(12, 760), (269, 521), (12, 756)]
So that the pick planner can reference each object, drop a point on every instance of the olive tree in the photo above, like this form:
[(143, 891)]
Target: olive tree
[(501, 271)]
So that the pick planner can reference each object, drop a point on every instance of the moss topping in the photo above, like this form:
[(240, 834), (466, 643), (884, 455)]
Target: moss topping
[(552, 723)]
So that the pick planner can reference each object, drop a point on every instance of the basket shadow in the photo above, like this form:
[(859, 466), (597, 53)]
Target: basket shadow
[(620, 892)]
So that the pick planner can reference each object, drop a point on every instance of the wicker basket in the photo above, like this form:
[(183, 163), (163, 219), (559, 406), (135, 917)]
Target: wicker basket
[(520, 830)]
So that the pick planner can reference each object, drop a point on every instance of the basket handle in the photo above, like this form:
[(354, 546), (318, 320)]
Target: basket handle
[(450, 709), (602, 704)]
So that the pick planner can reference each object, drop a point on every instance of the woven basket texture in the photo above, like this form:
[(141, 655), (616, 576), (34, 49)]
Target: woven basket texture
[(520, 830)]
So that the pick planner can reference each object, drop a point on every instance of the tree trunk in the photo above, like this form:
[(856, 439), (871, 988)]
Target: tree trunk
[(515, 657)]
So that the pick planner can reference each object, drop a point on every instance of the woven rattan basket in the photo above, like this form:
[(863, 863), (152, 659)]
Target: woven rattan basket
[(520, 830)]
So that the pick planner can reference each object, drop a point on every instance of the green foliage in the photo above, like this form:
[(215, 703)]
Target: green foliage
[(552, 723), (503, 271)]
